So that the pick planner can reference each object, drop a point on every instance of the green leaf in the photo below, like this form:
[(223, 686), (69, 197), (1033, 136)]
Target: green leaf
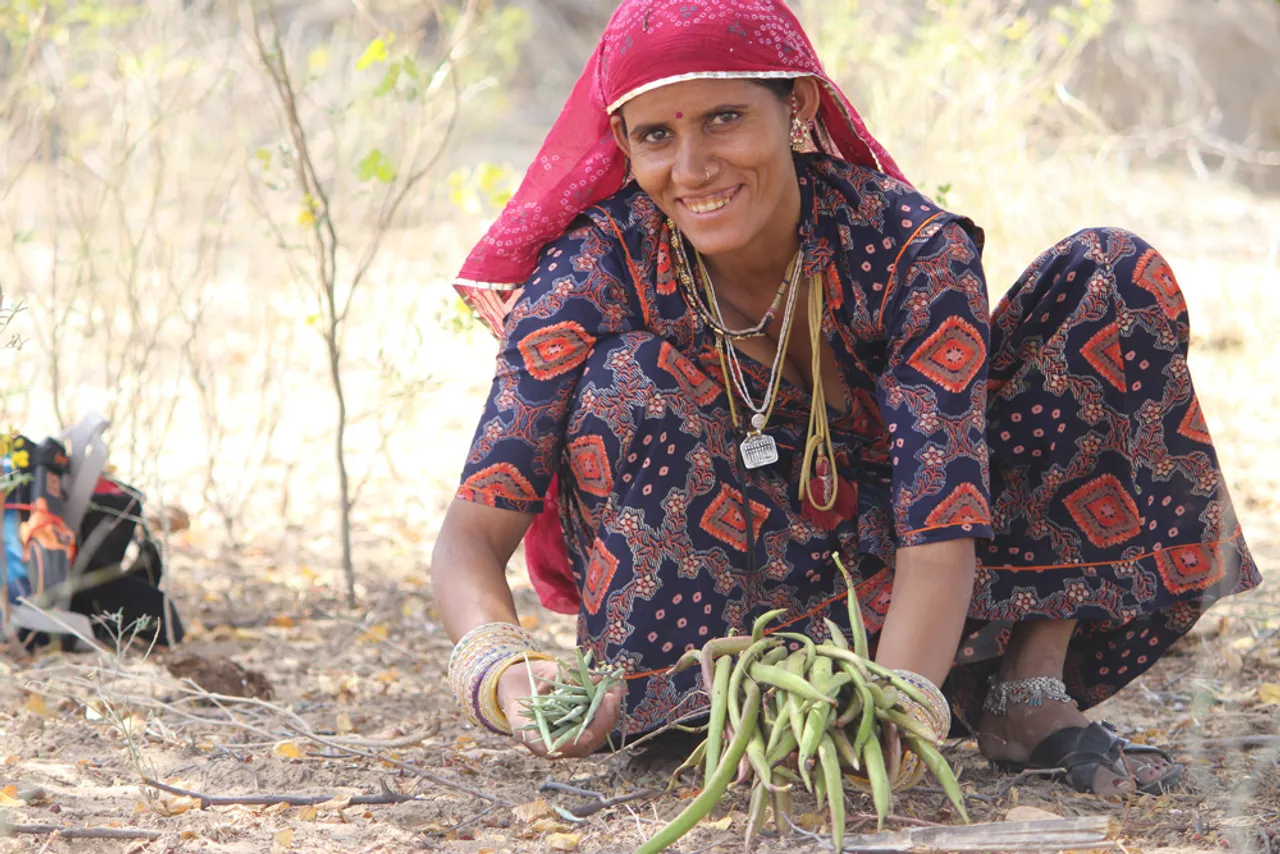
[(388, 81), (411, 68), (376, 52), (375, 164)]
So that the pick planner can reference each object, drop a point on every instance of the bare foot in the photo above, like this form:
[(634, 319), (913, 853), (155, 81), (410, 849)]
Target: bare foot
[(1014, 736)]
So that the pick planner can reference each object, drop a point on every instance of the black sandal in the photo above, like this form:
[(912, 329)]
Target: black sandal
[(1080, 751)]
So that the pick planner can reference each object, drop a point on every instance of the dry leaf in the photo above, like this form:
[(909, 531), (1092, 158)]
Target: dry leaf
[(307, 814), (282, 841), (1029, 814), (176, 806), (1269, 694), (337, 804), (529, 622), (9, 797), (374, 634), (36, 705), (563, 841), (288, 750), (1235, 663), (545, 825), (810, 821), (722, 824), (533, 810), (187, 835), (345, 727), (277, 808), (12, 760)]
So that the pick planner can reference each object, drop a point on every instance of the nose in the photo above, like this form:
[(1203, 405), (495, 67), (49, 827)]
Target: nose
[(693, 161)]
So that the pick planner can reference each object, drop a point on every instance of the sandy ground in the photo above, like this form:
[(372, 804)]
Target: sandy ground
[(359, 704)]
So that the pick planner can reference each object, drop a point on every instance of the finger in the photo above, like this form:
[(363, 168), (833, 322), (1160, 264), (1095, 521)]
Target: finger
[(597, 731)]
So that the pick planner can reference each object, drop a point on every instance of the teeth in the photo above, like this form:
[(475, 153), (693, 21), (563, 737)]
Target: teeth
[(707, 207)]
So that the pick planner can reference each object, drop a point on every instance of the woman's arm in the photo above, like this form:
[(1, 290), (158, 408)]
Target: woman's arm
[(469, 583), (468, 565), (932, 586)]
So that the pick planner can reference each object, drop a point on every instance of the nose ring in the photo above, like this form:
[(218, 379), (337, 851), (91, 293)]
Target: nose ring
[(708, 174)]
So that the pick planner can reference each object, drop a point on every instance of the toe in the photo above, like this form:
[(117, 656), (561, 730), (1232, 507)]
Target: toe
[(1109, 785)]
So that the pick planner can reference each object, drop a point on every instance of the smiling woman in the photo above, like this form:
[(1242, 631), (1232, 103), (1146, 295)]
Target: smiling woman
[(737, 343)]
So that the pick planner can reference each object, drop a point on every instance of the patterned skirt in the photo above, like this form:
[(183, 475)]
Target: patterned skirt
[(1108, 504)]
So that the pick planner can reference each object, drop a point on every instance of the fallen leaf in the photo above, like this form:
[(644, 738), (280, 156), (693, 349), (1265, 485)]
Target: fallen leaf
[(282, 841), (288, 750), (1235, 663), (1029, 814), (277, 808), (284, 621), (307, 814), (533, 810), (345, 727), (721, 824), (36, 705), (338, 804), (9, 797), (12, 760), (563, 841), (175, 806), (810, 821), (529, 622), (1269, 694), (187, 835), (549, 825), (374, 634)]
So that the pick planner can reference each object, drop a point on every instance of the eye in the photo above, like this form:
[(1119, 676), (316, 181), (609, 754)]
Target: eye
[(655, 136), (727, 117)]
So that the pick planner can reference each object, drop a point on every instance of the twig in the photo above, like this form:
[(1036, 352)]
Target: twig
[(1243, 741), (206, 801), (78, 832), (1023, 775), (412, 769), (608, 803), (460, 825)]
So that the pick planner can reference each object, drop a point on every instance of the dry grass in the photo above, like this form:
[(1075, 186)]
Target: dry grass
[(157, 291)]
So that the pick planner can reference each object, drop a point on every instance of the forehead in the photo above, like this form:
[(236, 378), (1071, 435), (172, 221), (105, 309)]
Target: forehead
[(691, 96)]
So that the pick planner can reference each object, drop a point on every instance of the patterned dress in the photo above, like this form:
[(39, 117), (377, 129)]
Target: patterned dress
[(1062, 432)]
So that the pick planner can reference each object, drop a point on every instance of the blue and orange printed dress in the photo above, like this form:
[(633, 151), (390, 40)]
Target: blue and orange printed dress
[(1063, 433)]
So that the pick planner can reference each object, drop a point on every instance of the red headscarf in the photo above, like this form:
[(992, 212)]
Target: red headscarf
[(647, 44)]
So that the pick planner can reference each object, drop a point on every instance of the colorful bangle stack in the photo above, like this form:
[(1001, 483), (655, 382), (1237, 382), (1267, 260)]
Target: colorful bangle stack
[(936, 717), (478, 662)]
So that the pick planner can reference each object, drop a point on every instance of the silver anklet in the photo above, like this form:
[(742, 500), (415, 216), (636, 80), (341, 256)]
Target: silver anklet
[(1030, 692)]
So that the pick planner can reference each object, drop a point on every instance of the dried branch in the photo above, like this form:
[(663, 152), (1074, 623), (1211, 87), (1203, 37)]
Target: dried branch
[(386, 797), (7, 829)]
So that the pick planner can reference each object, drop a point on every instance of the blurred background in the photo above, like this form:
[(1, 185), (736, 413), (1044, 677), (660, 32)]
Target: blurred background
[(231, 226)]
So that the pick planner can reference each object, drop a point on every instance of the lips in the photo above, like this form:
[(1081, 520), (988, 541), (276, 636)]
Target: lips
[(709, 204)]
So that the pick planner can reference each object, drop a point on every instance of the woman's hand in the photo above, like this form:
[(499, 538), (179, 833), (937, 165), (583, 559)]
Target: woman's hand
[(514, 685)]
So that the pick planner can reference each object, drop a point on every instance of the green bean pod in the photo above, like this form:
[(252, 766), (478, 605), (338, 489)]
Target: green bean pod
[(787, 681), (878, 777), (856, 624), (757, 628), (946, 778), (719, 708), (829, 761), (715, 788)]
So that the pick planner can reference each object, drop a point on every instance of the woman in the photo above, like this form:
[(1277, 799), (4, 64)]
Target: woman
[(736, 342)]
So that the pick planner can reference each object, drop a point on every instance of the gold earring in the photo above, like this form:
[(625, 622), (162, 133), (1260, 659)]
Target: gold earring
[(800, 141)]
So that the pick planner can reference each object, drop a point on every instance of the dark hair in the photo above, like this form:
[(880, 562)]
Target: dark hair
[(782, 88)]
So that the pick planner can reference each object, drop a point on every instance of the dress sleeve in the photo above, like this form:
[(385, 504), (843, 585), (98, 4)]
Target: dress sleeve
[(933, 391), (575, 296)]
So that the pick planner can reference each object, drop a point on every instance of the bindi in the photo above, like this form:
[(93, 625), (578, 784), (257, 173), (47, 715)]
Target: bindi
[(679, 115)]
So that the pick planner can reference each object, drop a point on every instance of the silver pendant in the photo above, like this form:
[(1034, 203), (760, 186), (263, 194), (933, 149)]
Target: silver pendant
[(758, 450)]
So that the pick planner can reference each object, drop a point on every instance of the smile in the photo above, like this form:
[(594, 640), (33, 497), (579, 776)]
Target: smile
[(710, 204)]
